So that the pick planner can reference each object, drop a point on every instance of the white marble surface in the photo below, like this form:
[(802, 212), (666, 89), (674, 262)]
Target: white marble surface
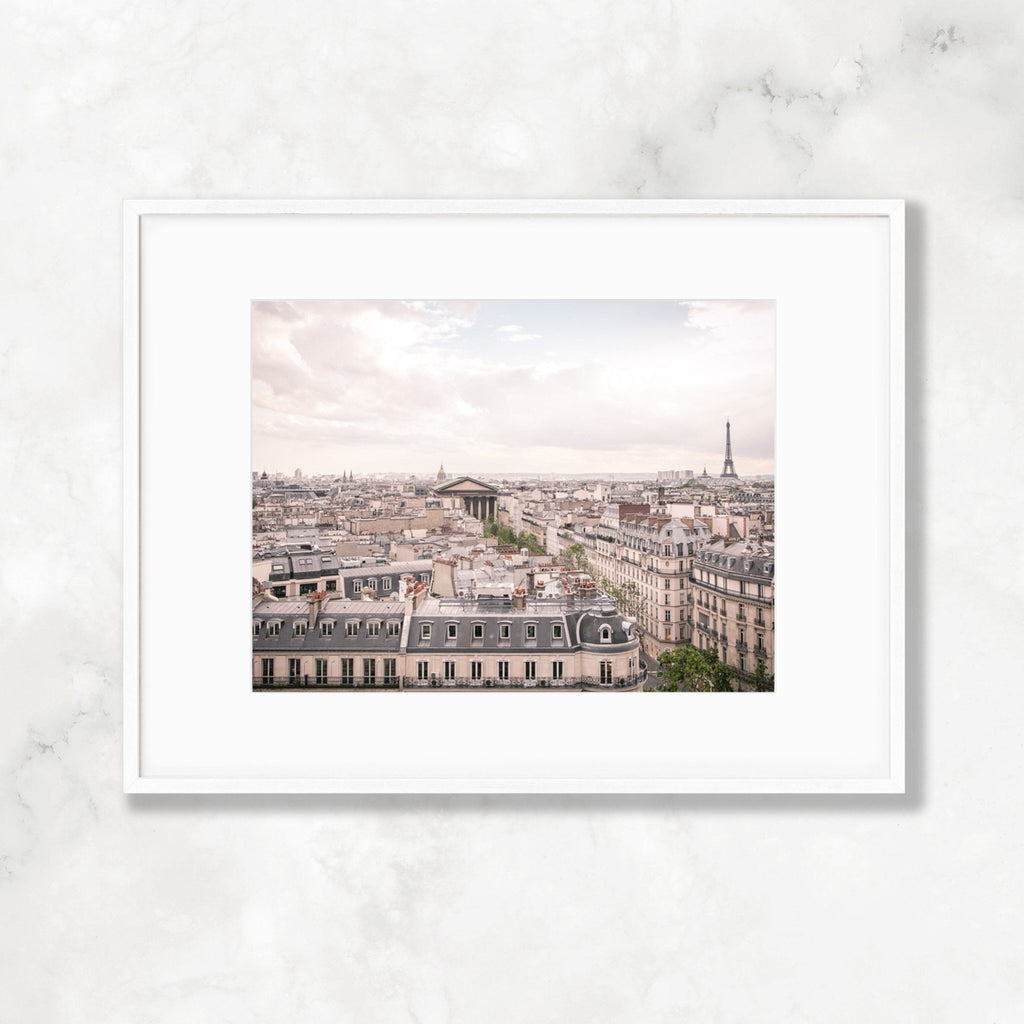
[(525, 909)]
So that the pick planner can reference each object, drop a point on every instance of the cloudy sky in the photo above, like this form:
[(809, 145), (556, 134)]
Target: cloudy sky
[(512, 386)]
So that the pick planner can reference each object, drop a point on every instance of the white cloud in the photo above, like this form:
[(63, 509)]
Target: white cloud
[(374, 386)]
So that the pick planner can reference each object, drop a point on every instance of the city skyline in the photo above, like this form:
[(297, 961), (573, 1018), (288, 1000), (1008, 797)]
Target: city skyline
[(572, 387)]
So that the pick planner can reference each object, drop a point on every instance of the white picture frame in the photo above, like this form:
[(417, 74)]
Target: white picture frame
[(835, 723)]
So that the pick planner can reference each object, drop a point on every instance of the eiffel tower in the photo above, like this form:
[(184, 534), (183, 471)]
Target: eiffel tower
[(728, 470)]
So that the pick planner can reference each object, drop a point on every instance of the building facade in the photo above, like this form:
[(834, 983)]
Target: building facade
[(429, 643), (734, 604), (649, 558)]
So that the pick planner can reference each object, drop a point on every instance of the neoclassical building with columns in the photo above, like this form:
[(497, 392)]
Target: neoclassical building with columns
[(478, 499)]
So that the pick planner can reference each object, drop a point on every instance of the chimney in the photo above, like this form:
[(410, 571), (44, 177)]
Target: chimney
[(519, 599), (443, 577), (315, 600)]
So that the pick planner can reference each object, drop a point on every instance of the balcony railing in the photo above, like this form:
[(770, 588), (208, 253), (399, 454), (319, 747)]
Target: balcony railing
[(733, 595), (313, 682), (307, 682)]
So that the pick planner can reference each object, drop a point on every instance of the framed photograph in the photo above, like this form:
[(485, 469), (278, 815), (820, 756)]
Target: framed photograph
[(514, 496)]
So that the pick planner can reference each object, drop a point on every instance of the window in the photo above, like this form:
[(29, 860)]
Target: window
[(556, 631), (743, 666), (389, 670), (449, 670), (668, 584), (273, 629), (371, 585), (352, 627), (255, 630), (299, 628), (321, 671), (331, 586), (294, 670), (531, 631), (668, 614), (357, 586), (277, 567), (529, 670), (556, 670), (369, 670), (504, 631), (425, 631), (385, 583), (327, 628), (476, 669), (306, 588), (373, 629), (278, 592), (606, 671), (394, 627), (606, 634), (325, 559), (346, 671), (267, 671), (424, 577), (422, 670), (452, 631), (503, 670), (478, 631)]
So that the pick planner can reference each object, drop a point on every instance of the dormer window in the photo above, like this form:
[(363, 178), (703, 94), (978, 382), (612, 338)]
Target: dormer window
[(394, 627), (277, 567), (255, 629), (478, 631), (274, 628), (299, 628), (452, 631), (425, 631), (352, 627), (327, 628), (556, 631), (531, 631), (357, 586), (373, 629), (606, 634), (504, 631)]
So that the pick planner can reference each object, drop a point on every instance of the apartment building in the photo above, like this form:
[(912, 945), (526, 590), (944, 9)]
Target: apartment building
[(650, 557), (422, 642), (734, 603)]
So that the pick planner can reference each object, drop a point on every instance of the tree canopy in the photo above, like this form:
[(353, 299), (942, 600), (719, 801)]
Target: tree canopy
[(687, 668)]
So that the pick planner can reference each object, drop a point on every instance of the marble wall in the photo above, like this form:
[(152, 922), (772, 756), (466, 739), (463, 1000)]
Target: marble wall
[(125, 910)]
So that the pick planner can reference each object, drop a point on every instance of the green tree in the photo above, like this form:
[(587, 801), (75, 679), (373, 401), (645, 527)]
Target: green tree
[(763, 682), (525, 539), (694, 670), (575, 557)]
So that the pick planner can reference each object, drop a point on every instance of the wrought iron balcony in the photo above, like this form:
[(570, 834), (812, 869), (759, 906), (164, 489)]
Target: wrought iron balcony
[(313, 682)]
